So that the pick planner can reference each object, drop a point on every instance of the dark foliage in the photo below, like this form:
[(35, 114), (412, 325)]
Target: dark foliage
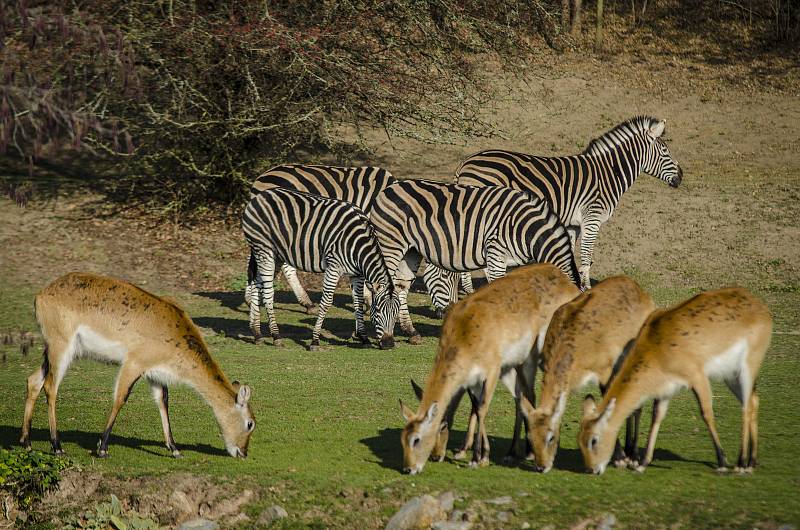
[(195, 96)]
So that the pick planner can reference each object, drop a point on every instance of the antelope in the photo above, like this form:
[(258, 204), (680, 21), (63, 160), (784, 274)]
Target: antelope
[(718, 334), (585, 343), (111, 320), (495, 333)]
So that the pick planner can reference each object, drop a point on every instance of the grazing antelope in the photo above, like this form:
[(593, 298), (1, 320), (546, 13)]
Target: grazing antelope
[(720, 334), (86, 315), (584, 344), (492, 334)]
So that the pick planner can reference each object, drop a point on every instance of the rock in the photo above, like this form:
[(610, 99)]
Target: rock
[(503, 517), (458, 515), (525, 525), (271, 514), (607, 522), (199, 524), (230, 506), (451, 525), (500, 501), (446, 500), (180, 501), (418, 513)]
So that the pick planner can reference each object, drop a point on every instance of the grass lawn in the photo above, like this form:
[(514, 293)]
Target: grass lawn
[(328, 425)]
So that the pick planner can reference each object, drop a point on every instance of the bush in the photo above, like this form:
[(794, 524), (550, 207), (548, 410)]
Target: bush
[(27, 475), (111, 515), (196, 97)]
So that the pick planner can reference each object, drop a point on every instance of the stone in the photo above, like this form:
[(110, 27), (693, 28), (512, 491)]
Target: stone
[(607, 522), (271, 514), (500, 501), (525, 525), (199, 524), (418, 513), (447, 500), (180, 501), (503, 517)]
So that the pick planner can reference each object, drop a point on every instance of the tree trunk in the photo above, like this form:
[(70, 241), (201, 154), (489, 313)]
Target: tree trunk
[(575, 28), (598, 30)]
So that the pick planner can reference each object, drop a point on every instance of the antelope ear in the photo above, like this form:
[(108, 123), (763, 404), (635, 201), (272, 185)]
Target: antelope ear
[(236, 385), (243, 395), (604, 417), (527, 408), (559, 410), (589, 406), (417, 390), (432, 410), (657, 129), (406, 412)]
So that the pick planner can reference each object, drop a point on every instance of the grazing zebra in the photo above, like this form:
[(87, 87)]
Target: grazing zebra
[(317, 234), (464, 228), (584, 189), (356, 185)]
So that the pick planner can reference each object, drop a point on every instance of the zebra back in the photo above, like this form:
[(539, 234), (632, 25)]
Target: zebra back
[(356, 185), (595, 178), (306, 230), (450, 225)]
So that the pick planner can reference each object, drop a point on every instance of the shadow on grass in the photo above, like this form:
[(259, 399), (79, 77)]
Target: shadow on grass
[(9, 436)]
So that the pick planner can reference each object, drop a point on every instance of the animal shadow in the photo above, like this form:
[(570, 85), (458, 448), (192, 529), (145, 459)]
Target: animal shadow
[(9, 436)]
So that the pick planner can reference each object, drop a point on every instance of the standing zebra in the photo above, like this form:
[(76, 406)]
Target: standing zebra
[(356, 185), (317, 234), (584, 189), (463, 228)]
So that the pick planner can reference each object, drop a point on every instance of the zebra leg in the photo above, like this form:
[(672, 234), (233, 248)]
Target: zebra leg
[(495, 261), (466, 284), (329, 282), (588, 236), (264, 289), (404, 317), (252, 278), (357, 284), (290, 273)]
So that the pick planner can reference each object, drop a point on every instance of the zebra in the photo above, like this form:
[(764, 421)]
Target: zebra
[(583, 190), (317, 234), (356, 185), (463, 228)]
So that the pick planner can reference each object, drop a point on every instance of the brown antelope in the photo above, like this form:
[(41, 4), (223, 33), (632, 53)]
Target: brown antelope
[(86, 315), (719, 334), (585, 343), (492, 334)]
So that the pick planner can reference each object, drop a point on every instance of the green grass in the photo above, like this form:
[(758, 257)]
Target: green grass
[(328, 425)]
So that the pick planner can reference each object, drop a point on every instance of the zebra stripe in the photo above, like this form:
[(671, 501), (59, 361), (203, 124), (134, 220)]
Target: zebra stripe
[(583, 190), (465, 228), (316, 234), (356, 185)]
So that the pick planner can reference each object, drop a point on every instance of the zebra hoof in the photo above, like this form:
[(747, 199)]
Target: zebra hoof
[(278, 342), (314, 347), (415, 339), (312, 309)]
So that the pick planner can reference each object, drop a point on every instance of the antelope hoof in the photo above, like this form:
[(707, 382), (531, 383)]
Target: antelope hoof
[(621, 463), (25, 443), (312, 309), (722, 470), (640, 468), (102, 453), (176, 454), (415, 339), (460, 455)]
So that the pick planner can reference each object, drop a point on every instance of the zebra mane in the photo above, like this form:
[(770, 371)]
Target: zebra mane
[(620, 134)]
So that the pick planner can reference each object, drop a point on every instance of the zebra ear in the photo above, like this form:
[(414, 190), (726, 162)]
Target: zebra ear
[(657, 129)]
